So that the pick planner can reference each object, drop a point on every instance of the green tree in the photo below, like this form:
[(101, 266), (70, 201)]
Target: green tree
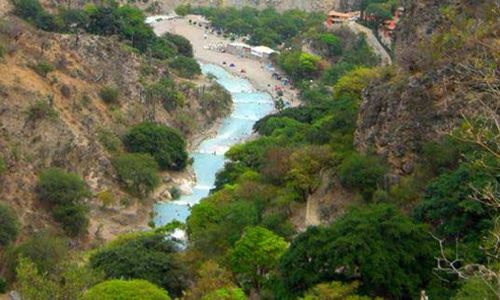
[(138, 172), (256, 255), (186, 67), (182, 44), (148, 256), (165, 144), (68, 281), (43, 249), (362, 173), (9, 225), (385, 250), (126, 289), (65, 193)]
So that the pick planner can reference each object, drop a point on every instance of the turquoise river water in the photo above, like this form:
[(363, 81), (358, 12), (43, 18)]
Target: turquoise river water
[(249, 106)]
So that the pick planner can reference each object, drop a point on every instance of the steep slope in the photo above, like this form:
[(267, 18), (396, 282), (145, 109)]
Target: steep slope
[(445, 70), (56, 117)]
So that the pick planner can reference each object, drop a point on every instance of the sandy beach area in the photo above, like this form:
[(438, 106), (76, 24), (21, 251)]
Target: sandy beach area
[(256, 72)]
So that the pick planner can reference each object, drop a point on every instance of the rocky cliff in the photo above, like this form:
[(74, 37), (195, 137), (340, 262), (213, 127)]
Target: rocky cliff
[(52, 115), (444, 70)]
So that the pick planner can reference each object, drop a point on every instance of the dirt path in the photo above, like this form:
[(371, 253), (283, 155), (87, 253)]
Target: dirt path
[(372, 41)]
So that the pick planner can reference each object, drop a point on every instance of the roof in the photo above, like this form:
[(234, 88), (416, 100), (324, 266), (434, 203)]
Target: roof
[(238, 44), (334, 13), (263, 49)]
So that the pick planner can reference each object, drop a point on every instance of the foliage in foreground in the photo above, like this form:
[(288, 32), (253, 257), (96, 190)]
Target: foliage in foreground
[(126, 289)]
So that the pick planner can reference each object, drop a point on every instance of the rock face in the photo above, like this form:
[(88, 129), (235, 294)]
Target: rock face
[(430, 88), (56, 119), (307, 5)]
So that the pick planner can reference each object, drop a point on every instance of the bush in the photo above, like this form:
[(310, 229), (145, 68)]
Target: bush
[(33, 11), (123, 289), (43, 249), (109, 140), (65, 194), (9, 225), (182, 44), (138, 172), (3, 166), (165, 144), (40, 110), (362, 173), (109, 94), (148, 256), (43, 68), (3, 285), (73, 218), (183, 10), (185, 66), (57, 187)]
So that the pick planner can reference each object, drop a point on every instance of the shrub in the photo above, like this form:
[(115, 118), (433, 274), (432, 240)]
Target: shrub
[(138, 172), (183, 10), (106, 198), (165, 144), (146, 256), (57, 187), (123, 289), (33, 11), (185, 66), (175, 192), (45, 250), (2, 50), (40, 110), (73, 218), (109, 94), (43, 68), (182, 44), (3, 166), (362, 173), (109, 140), (65, 194), (3, 285), (9, 225)]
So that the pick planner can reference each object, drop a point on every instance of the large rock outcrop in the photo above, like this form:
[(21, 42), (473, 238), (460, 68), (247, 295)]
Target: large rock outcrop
[(444, 70)]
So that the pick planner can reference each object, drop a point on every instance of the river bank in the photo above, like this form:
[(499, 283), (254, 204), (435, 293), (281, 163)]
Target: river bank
[(255, 71)]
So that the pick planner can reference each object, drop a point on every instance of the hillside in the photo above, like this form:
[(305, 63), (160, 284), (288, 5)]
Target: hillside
[(281, 5), (52, 115)]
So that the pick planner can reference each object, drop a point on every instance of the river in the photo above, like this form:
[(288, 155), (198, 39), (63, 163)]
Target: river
[(249, 106)]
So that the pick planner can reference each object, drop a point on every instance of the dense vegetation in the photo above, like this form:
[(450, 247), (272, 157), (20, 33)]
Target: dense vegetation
[(381, 232), (107, 18), (9, 225), (165, 144), (264, 27)]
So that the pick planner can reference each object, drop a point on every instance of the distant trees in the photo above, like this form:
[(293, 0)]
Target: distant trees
[(65, 193), (106, 19), (300, 65), (165, 144)]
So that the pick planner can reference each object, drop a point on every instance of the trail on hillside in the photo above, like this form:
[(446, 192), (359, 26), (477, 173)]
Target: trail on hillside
[(372, 41)]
